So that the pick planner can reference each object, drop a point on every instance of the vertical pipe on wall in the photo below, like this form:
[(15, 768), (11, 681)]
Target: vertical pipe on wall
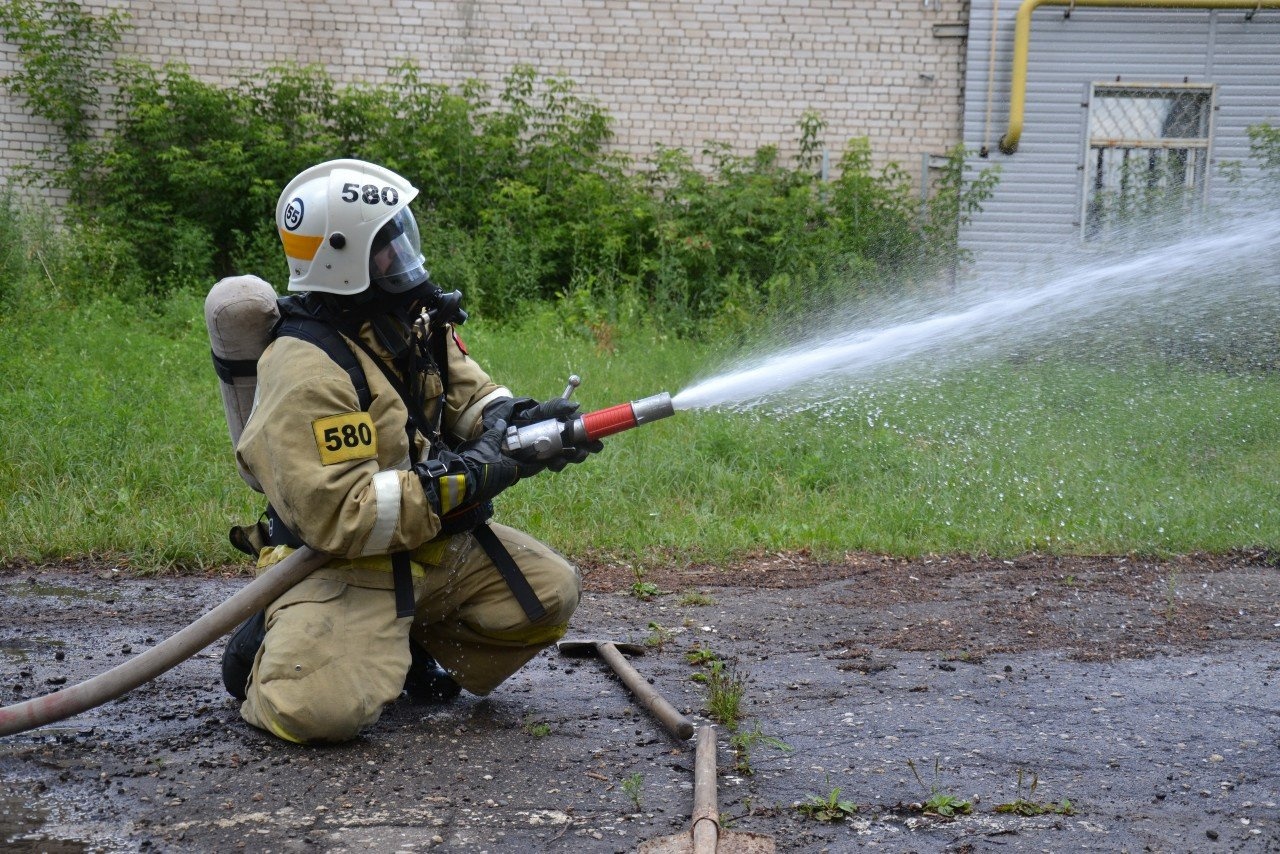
[(991, 78)]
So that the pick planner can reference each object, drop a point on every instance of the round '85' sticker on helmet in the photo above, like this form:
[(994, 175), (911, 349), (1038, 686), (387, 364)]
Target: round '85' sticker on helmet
[(293, 214)]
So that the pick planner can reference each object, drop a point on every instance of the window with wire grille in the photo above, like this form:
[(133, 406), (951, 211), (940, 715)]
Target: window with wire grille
[(1147, 155)]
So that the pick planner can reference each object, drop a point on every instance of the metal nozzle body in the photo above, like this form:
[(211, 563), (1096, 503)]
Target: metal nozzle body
[(653, 408), (540, 441)]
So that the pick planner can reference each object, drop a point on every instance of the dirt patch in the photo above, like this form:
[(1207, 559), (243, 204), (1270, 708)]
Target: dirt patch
[(1144, 693)]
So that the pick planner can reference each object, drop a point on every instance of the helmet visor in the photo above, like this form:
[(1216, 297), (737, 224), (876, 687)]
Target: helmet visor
[(395, 260)]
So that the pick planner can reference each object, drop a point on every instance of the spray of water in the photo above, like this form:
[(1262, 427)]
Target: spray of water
[(990, 320)]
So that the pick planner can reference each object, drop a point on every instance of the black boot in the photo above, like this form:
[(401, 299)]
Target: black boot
[(237, 658), (427, 681)]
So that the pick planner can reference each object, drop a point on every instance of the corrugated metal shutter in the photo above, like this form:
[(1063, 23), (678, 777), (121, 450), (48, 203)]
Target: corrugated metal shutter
[(1035, 211)]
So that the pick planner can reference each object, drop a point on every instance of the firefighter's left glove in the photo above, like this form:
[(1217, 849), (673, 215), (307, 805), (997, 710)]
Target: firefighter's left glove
[(476, 473), (562, 410), (503, 409), (558, 408), (519, 411)]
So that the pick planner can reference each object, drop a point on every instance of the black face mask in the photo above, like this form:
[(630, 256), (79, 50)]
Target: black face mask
[(404, 306), (399, 311), (407, 305)]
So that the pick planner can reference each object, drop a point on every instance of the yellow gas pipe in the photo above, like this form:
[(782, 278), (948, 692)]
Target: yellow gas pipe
[(1022, 42)]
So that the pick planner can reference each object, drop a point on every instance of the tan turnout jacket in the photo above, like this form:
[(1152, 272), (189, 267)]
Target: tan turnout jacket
[(339, 477)]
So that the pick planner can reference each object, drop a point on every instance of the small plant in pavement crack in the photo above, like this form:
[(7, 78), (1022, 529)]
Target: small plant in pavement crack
[(744, 741), (1029, 807), (724, 687), (631, 787), (701, 655), (642, 589), (659, 635), (724, 696), (939, 803), (827, 808), (537, 729)]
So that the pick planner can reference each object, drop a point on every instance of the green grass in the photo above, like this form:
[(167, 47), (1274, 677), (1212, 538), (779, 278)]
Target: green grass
[(112, 442)]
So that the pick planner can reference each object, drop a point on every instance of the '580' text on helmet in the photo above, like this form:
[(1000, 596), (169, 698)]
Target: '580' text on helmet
[(346, 224)]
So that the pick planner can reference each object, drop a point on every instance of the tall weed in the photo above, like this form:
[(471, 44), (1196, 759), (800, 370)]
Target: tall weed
[(1264, 145), (13, 260)]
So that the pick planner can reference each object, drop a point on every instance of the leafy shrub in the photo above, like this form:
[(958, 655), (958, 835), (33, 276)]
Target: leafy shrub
[(1264, 145), (520, 201), (60, 50)]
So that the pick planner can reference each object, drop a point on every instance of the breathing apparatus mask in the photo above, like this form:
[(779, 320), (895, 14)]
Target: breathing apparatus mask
[(395, 258), (398, 279)]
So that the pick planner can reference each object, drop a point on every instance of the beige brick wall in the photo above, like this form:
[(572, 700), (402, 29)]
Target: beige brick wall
[(670, 73)]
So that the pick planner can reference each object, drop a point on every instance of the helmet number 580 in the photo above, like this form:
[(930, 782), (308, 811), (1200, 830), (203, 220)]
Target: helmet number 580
[(370, 194)]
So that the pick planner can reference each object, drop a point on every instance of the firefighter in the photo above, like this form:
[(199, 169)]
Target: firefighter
[(394, 478)]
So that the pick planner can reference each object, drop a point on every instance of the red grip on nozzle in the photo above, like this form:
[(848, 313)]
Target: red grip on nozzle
[(606, 422)]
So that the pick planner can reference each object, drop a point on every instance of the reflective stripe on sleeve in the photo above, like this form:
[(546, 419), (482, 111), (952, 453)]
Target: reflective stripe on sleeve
[(453, 491), (471, 416), (386, 490)]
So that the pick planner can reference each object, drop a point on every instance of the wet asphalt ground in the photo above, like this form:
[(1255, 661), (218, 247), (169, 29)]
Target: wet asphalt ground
[(1135, 708)]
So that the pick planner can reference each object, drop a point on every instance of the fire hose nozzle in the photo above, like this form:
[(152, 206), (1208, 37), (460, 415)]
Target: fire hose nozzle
[(653, 408), (624, 416), (546, 439)]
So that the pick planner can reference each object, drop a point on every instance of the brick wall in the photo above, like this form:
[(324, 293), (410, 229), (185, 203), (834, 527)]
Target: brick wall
[(672, 73)]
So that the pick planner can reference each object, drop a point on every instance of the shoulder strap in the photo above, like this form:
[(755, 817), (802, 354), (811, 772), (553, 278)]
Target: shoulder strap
[(440, 352), (415, 418), (229, 369), (325, 337)]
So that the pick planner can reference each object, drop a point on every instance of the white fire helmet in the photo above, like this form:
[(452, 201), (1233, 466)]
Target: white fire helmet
[(346, 224)]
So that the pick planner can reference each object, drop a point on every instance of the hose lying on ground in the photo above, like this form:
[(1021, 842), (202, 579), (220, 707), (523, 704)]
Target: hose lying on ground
[(141, 669)]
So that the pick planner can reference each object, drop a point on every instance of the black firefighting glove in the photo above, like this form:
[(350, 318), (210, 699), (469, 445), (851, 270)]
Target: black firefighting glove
[(476, 473), (576, 454), (520, 411), (557, 407)]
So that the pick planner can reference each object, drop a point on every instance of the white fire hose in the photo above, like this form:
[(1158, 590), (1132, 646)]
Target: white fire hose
[(141, 669)]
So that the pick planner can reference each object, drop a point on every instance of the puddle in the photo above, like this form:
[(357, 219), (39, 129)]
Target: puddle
[(19, 650), (30, 589), (20, 829), (16, 653)]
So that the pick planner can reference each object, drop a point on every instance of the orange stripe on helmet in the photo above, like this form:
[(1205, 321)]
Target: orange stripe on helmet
[(300, 246)]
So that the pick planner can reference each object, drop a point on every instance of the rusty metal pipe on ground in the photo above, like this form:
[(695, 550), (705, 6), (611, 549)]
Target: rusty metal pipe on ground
[(706, 811), (612, 653), (705, 835), (171, 652)]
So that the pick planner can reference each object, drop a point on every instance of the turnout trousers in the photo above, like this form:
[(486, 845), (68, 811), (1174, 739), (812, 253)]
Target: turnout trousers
[(335, 653)]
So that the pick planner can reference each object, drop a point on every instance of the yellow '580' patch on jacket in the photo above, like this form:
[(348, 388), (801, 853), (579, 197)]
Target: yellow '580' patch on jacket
[(349, 436)]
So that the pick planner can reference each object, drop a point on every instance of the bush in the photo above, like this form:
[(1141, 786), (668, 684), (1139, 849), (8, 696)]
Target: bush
[(520, 201), (1264, 145), (61, 49)]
